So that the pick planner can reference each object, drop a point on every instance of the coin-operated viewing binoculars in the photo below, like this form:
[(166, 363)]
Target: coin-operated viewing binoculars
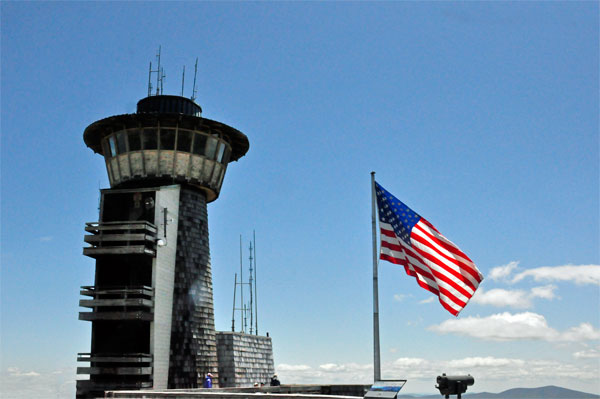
[(454, 384)]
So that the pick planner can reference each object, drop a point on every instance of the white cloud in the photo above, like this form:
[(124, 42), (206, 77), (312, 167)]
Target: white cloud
[(351, 367), (290, 367), (544, 292), (500, 297), (582, 332), (511, 327), (421, 372), (587, 354), (399, 297), (428, 300), (489, 361), (46, 238), (519, 299), (502, 272), (16, 372), (582, 274), (330, 373), (18, 384)]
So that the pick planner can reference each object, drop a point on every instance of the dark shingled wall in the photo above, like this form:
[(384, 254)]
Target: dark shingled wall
[(193, 340)]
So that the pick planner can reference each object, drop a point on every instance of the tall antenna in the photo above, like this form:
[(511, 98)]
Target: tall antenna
[(250, 284), (159, 73), (162, 79), (193, 98), (182, 80), (149, 80), (160, 76), (233, 313), (255, 287), (248, 311), (242, 306)]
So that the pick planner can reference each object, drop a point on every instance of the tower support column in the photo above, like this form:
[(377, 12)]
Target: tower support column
[(193, 339)]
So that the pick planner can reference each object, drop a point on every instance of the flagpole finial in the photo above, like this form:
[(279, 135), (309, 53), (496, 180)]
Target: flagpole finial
[(373, 173)]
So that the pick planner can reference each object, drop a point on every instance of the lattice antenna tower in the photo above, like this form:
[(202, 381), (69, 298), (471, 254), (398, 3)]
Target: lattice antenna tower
[(250, 278), (244, 308), (242, 305)]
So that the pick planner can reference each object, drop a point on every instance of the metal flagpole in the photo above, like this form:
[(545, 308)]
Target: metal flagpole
[(376, 350)]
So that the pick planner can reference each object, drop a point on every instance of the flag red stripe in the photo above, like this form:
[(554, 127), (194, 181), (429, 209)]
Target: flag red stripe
[(389, 233), (448, 270), (420, 254), (440, 277), (429, 270), (393, 247), (446, 306), (440, 246), (429, 273), (467, 264)]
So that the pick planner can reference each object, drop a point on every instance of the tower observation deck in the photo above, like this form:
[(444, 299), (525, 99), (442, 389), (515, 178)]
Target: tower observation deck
[(167, 141), (151, 303)]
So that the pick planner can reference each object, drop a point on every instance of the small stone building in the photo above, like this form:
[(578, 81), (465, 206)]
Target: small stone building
[(244, 359)]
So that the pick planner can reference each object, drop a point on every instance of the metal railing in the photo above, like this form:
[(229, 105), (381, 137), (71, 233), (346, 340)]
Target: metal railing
[(120, 238)]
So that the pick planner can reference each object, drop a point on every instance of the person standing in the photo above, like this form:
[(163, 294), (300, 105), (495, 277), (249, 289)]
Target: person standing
[(207, 381), (275, 381)]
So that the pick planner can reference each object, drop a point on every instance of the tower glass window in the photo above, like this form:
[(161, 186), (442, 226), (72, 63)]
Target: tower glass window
[(220, 152), (113, 146), (149, 139), (121, 143), (227, 154), (167, 139), (199, 144), (135, 143), (211, 147), (184, 139), (106, 148)]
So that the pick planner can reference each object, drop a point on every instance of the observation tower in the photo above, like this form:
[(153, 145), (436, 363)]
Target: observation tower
[(151, 303)]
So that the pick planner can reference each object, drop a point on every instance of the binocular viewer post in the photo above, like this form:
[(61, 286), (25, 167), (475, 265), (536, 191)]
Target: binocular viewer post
[(454, 384)]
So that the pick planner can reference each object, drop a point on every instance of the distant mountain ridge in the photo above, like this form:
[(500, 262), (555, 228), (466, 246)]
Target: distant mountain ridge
[(547, 392)]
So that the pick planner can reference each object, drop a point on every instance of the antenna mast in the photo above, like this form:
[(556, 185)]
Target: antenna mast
[(233, 313), (242, 307), (193, 98), (149, 80), (250, 284), (182, 80), (158, 74), (255, 287)]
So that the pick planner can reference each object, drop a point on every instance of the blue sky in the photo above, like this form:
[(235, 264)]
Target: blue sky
[(481, 116)]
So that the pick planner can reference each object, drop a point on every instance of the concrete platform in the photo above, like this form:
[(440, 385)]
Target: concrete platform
[(281, 392)]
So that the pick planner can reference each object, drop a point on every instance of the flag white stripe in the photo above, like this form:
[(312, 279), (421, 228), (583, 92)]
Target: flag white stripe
[(434, 246), (439, 282), (440, 268), (427, 266), (425, 228)]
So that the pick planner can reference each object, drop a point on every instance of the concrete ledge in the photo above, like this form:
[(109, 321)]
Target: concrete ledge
[(282, 392), (216, 395)]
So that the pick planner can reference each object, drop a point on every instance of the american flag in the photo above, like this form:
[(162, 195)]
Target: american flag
[(439, 266)]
